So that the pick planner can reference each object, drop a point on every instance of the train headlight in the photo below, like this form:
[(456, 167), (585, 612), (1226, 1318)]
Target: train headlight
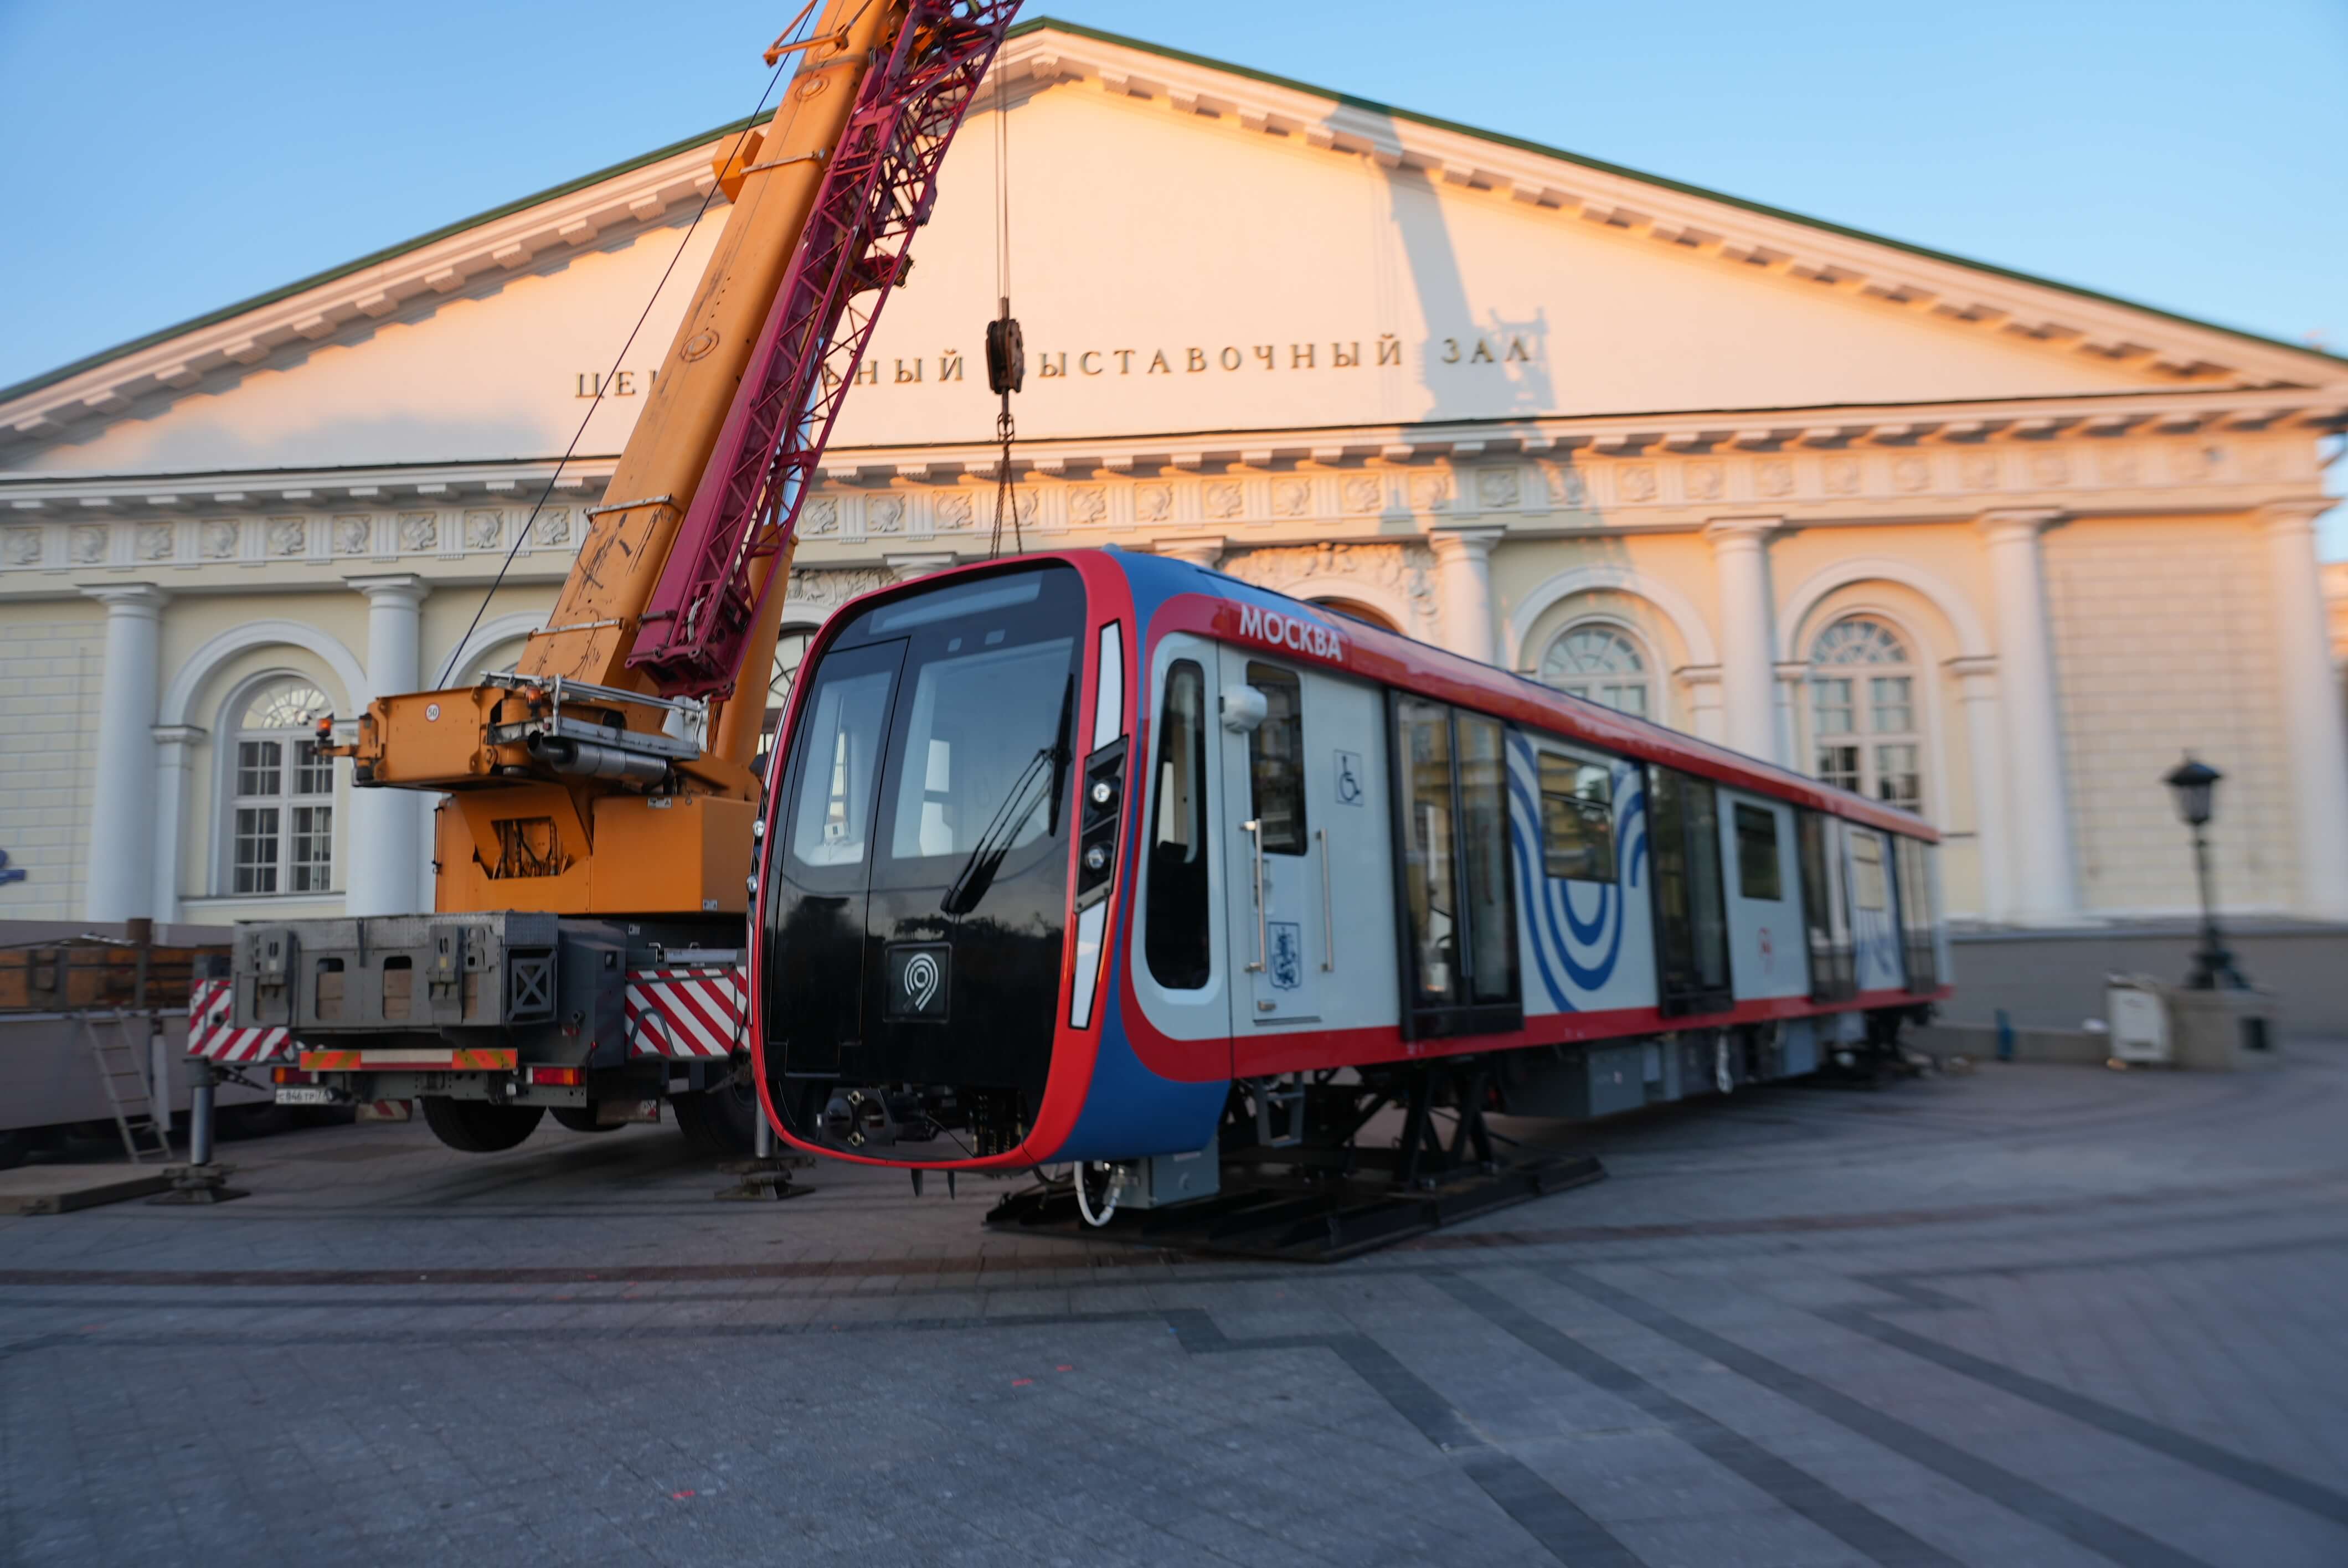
[(1097, 858)]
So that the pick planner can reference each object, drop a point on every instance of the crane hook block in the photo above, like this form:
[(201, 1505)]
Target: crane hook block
[(1006, 357)]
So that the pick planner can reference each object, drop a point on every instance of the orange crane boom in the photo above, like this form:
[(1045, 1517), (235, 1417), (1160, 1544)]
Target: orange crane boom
[(605, 776)]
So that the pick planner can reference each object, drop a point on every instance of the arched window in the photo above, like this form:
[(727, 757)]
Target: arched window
[(281, 806), (1354, 609), (1599, 661), (1866, 733), (790, 647)]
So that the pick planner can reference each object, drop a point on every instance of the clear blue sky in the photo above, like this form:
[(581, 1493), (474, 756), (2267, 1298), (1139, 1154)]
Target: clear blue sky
[(165, 159)]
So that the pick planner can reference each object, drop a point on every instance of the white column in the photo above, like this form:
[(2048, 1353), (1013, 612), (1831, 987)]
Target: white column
[(1199, 549), (120, 883), (2041, 883), (1747, 655), (2310, 709), (1977, 691), (1703, 683), (1463, 562), (387, 835), (174, 745)]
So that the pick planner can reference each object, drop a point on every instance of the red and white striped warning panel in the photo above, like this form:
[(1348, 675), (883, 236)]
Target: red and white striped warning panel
[(213, 1033), (686, 1012)]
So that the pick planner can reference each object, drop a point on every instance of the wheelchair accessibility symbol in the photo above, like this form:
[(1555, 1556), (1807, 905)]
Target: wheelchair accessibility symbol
[(1349, 778)]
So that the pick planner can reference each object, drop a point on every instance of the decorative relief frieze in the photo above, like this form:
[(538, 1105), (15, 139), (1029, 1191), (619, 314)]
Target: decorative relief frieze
[(2049, 468), (1568, 486), (1390, 571), (1705, 481), (1362, 493), (819, 515), (1152, 502), (351, 534), (1223, 499), (1911, 472), (551, 528), (1842, 475), (1635, 482), (1088, 505), (216, 540), (484, 529), (884, 514), (156, 541), (1774, 478), (419, 531), (1496, 489), (285, 537), (1291, 498), (1430, 492), (2121, 466), (21, 547), (1978, 471), (953, 510), (827, 590), (87, 545)]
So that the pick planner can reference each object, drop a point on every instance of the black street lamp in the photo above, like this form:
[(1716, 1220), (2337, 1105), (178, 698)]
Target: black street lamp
[(2193, 783)]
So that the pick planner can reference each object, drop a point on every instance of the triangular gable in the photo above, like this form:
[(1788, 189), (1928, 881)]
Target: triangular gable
[(1196, 247)]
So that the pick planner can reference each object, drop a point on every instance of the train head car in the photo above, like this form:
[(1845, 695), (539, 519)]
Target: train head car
[(1065, 854)]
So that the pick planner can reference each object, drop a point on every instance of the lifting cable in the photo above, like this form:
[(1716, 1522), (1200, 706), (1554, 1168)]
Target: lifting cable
[(1007, 351), (777, 53)]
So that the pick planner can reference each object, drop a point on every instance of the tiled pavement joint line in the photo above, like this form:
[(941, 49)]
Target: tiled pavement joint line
[(1853, 1523), (2201, 1455), (1547, 1515), (2096, 1531)]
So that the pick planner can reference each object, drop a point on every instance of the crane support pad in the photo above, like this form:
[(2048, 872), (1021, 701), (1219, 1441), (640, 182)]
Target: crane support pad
[(1296, 1221)]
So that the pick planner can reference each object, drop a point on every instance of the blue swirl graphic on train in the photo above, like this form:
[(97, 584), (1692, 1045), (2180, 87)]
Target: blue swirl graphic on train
[(1573, 951)]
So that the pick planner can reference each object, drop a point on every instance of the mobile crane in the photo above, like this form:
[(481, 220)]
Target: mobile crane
[(592, 854)]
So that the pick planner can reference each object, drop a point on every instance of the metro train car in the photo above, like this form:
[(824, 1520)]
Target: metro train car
[(1106, 859)]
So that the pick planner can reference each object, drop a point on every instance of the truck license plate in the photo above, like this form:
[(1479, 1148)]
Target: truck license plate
[(306, 1096)]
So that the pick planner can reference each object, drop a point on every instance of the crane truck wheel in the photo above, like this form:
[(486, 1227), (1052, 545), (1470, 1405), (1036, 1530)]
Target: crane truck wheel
[(721, 1121), (478, 1127), (581, 1119)]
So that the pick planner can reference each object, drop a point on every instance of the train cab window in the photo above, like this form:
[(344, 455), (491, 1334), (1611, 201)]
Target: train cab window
[(981, 753), (1451, 830), (1757, 872), (1175, 924), (831, 822), (1691, 910), (1576, 800), (1276, 760)]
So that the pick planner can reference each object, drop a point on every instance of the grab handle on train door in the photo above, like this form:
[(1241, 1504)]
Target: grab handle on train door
[(1253, 828), (1328, 907)]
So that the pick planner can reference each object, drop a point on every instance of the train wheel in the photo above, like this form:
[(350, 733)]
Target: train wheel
[(721, 1120), (478, 1127), (581, 1119)]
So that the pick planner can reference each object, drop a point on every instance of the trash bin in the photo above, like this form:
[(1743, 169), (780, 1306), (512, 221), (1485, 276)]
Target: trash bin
[(2137, 1006)]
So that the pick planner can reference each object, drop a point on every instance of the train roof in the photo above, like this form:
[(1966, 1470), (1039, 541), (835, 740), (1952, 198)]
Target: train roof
[(1341, 642)]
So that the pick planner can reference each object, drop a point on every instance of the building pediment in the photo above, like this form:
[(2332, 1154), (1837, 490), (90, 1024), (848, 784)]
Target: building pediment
[(1195, 248)]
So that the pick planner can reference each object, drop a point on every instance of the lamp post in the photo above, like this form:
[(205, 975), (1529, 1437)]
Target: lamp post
[(2195, 784)]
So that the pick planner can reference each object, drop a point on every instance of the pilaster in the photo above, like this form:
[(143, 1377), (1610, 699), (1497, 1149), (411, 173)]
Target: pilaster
[(174, 758), (1702, 683), (1199, 549), (1976, 681)]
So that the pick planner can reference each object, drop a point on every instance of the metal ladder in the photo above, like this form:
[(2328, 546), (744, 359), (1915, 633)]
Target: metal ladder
[(123, 1077)]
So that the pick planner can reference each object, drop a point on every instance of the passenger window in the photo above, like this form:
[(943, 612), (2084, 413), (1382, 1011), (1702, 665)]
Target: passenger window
[(1577, 818), (1276, 760), (1174, 917), (1757, 872), (1869, 889), (833, 820)]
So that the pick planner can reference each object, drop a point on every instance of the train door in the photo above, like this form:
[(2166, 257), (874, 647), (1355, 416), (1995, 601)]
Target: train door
[(1275, 865), (1458, 935), (1764, 897), (1826, 908), (1179, 967), (1874, 921), (1913, 876), (1690, 906)]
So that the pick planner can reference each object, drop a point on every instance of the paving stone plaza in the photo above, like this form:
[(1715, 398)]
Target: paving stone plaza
[(2030, 1314)]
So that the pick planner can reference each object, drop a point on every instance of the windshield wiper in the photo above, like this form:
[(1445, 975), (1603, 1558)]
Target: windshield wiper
[(1049, 763)]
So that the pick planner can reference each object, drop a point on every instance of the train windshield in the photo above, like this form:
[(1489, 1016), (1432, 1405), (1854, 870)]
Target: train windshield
[(914, 913)]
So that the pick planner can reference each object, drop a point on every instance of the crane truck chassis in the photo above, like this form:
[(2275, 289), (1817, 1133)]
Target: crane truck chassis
[(493, 1019)]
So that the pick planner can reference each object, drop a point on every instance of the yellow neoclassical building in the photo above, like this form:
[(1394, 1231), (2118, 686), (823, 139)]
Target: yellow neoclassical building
[(1993, 546)]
